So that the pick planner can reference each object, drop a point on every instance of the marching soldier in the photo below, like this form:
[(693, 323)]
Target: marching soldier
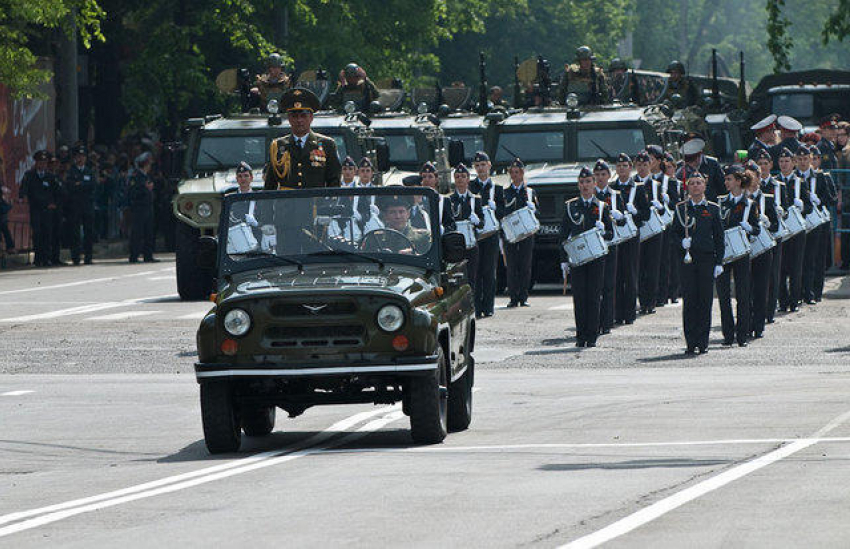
[(628, 256), (428, 178), (614, 202), (827, 192), (692, 149), (813, 255), (273, 84), (676, 193), (699, 229), (39, 187), (140, 198), (466, 206), (80, 183), (761, 267), (681, 85), (668, 195), (826, 146), (765, 131), (354, 86), (650, 249), (778, 193), (493, 197), (793, 249), (303, 159), (585, 80), (736, 210), (581, 214), (519, 255), (349, 172)]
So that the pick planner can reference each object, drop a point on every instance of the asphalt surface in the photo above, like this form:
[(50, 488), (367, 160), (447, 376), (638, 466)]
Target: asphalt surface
[(629, 444)]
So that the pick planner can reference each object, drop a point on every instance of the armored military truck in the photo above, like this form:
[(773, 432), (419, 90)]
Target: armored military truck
[(807, 96)]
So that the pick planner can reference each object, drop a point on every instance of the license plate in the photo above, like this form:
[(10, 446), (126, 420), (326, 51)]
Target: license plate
[(551, 230)]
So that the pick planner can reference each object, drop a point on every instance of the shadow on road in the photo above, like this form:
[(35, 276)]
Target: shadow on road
[(636, 464), (665, 358)]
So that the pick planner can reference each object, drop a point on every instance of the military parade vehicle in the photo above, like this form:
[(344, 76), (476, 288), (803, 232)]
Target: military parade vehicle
[(808, 96), (313, 308)]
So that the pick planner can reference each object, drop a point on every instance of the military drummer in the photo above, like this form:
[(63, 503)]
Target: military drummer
[(303, 159)]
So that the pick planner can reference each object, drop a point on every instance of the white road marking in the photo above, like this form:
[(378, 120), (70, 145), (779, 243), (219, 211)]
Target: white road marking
[(15, 393), (82, 282), (124, 315), (155, 278), (85, 309), (193, 316), (319, 441), (832, 425), (563, 307)]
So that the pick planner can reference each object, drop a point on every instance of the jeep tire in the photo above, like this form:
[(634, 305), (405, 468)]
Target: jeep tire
[(258, 422), (460, 398), (428, 404), (222, 428), (193, 283)]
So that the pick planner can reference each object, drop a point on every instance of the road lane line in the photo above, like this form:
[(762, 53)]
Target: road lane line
[(82, 282), (85, 309), (832, 424), (193, 316), (124, 315), (53, 513), (664, 506), (156, 278), (15, 393), (563, 307)]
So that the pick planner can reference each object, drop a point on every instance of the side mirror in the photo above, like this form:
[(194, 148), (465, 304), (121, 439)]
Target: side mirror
[(456, 153), (207, 252), (454, 247), (382, 156)]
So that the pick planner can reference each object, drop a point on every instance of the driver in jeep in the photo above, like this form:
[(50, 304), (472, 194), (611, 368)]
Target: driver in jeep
[(398, 235)]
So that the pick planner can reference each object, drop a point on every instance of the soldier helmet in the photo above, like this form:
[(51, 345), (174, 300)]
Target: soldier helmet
[(618, 64), (584, 52), (352, 69), (677, 66), (274, 60)]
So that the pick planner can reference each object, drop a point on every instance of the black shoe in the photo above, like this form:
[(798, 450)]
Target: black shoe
[(151, 260), (512, 304), (794, 308), (810, 302), (590, 344), (76, 261), (757, 335), (769, 320), (703, 350), (674, 300), (690, 351), (818, 299), (134, 260), (524, 304), (783, 308), (660, 303), (742, 344), (58, 263), (728, 342), (580, 343), (604, 331), (488, 314), (630, 321), (619, 322), (89, 262)]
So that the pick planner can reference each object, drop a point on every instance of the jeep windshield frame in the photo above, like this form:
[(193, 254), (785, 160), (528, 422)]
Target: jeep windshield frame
[(230, 263)]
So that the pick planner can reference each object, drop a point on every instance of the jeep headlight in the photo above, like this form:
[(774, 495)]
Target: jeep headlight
[(237, 322), (273, 106), (204, 209), (572, 100), (390, 318)]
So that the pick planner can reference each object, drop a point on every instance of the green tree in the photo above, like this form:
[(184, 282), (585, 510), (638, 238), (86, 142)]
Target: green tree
[(25, 26)]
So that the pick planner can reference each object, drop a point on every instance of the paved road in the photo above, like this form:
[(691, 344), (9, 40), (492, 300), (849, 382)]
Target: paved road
[(629, 443)]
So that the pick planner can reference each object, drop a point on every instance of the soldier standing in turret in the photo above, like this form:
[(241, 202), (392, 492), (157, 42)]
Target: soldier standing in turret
[(273, 84), (354, 86), (584, 79), (681, 85)]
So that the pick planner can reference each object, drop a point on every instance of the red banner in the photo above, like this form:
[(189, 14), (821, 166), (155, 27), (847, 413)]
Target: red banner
[(26, 125)]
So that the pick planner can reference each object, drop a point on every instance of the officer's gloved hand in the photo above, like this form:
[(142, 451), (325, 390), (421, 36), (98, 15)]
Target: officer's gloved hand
[(814, 198), (492, 205), (565, 268), (666, 198), (600, 225), (746, 226), (474, 218), (718, 270), (251, 220), (632, 209), (656, 204), (798, 203), (532, 207), (686, 243), (616, 215), (764, 219), (268, 242), (375, 210)]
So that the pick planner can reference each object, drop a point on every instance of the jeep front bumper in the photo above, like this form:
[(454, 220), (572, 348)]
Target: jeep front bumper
[(409, 366)]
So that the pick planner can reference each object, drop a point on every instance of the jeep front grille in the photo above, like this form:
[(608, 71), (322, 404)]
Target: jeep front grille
[(282, 337), (285, 309)]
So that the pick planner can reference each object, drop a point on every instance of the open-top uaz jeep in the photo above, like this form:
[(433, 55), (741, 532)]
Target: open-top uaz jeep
[(335, 296)]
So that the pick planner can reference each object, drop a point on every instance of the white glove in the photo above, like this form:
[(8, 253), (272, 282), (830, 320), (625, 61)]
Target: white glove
[(251, 220), (492, 205), (686, 243), (746, 226), (268, 242), (780, 211), (474, 218), (632, 209), (666, 198), (814, 198), (798, 203), (718, 270), (375, 210), (600, 225), (657, 204), (617, 215), (532, 207), (356, 216), (565, 268), (764, 219)]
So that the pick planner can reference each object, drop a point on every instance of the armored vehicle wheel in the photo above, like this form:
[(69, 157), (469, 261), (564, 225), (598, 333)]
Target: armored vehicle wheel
[(460, 398), (193, 283), (428, 405), (222, 429), (258, 422)]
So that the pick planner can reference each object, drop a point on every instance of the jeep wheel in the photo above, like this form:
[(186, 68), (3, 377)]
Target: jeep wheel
[(193, 283), (428, 406), (222, 430), (460, 398), (258, 422)]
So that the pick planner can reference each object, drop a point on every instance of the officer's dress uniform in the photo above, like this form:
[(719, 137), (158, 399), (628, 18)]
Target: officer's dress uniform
[(779, 197), (614, 201), (40, 189), (304, 162), (736, 327), (628, 253), (59, 225), (488, 248), (827, 192), (519, 256), (462, 207), (581, 215), (80, 185), (705, 229), (761, 267), (650, 255), (813, 258), (794, 249), (668, 194), (141, 202)]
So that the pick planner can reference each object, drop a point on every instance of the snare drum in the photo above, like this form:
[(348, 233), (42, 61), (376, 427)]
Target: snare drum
[(240, 239), (795, 222), (491, 224), (519, 225), (666, 217), (468, 231), (624, 232), (814, 220), (761, 243), (737, 244), (653, 226), (782, 233), (585, 247)]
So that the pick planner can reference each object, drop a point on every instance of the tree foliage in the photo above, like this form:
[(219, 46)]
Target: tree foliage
[(778, 42), (838, 23)]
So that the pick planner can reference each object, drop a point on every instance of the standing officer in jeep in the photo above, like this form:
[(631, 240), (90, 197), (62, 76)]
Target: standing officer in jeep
[(585, 80)]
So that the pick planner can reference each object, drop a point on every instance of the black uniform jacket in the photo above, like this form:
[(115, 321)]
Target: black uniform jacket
[(491, 189), (732, 213), (580, 217), (704, 228), (640, 202)]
